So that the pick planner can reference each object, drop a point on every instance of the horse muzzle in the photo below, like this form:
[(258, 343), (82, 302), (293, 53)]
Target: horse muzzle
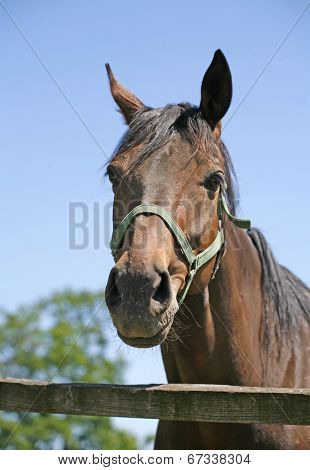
[(142, 305)]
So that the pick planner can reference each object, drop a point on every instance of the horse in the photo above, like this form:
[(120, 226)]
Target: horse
[(238, 318)]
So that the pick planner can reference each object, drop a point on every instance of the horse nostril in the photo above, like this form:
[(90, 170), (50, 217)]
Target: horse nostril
[(113, 295), (150, 291), (163, 293)]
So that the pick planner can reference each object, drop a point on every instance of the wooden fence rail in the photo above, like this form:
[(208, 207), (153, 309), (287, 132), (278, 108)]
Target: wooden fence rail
[(180, 402)]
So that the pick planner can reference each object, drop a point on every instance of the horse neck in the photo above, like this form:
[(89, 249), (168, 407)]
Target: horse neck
[(217, 332)]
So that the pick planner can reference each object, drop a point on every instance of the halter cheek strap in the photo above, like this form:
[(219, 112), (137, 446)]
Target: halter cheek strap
[(194, 261)]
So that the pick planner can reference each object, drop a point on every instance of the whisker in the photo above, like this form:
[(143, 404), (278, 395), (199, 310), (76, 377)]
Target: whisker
[(192, 315)]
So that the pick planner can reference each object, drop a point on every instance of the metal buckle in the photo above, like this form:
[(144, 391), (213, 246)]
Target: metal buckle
[(194, 265)]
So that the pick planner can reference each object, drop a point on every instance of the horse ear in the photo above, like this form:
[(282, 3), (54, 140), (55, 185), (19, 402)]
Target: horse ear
[(216, 91), (126, 101)]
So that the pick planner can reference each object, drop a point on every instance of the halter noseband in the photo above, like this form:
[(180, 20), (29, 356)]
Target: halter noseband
[(194, 261)]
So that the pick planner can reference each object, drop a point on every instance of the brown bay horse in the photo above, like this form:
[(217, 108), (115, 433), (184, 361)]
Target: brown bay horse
[(245, 323)]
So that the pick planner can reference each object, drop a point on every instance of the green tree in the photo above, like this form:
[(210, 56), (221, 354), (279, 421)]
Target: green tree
[(61, 338)]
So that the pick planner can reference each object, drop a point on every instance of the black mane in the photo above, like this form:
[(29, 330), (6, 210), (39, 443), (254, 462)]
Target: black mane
[(286, 297)]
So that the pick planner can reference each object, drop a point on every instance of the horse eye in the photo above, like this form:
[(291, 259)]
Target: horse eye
[(213, 181), (112, 175)]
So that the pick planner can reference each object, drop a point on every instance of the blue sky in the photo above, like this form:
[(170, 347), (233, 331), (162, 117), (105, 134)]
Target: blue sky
[(55, 139)]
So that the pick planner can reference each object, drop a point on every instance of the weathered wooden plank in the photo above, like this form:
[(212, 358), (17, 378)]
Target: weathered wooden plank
[(176, 402)]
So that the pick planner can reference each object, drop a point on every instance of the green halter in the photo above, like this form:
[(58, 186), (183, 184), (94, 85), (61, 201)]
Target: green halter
[(194, 261)]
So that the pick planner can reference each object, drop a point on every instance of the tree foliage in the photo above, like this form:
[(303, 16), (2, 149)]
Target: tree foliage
[(60, 338)]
